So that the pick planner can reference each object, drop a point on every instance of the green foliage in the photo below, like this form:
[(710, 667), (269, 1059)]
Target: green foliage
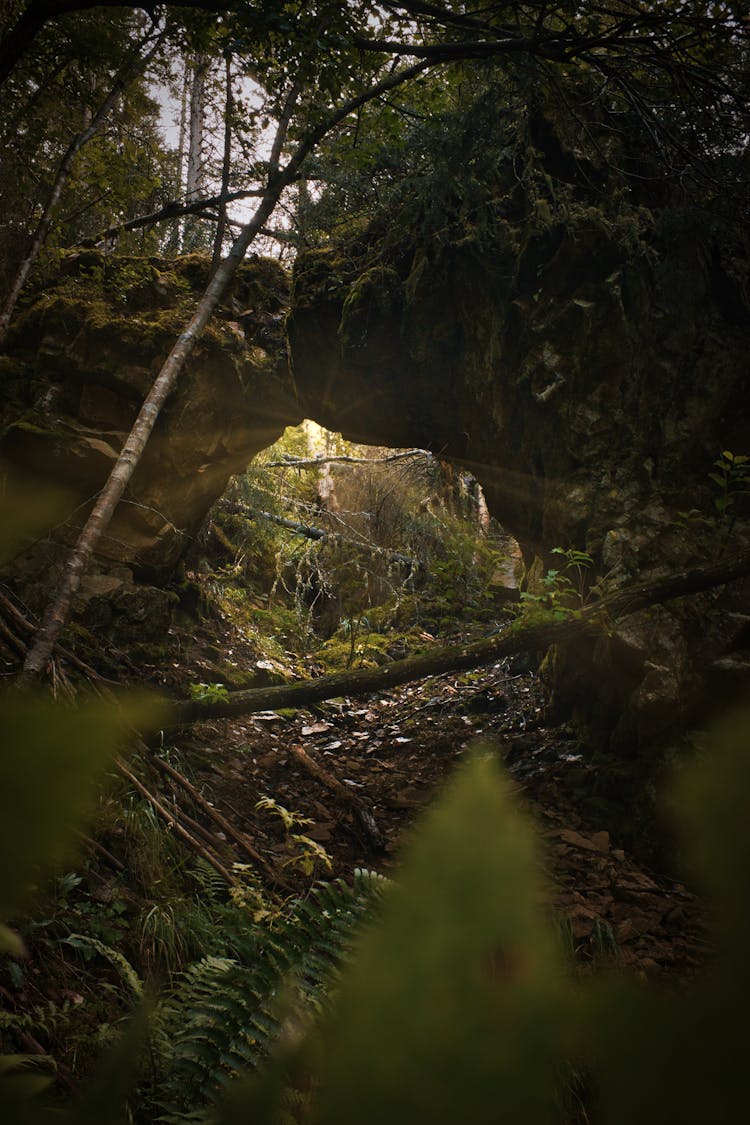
[(52, 762), (123, 967), (208, 693), (558, 594), (457, 1004), (54, 758), (460, 984), (289, 819), (224, 1016), (307, 855), (730, 478)]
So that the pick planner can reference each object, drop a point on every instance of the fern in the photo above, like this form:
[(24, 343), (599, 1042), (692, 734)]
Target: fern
[(123, 967), (213, 886), (42, 1020), (224, 1015)]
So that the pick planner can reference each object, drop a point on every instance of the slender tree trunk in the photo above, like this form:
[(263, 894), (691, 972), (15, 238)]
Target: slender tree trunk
[(196, 130), (176, 236), (63, 171), (225, 167), (58, 610)]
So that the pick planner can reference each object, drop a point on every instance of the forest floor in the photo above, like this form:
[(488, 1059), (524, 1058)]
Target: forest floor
[(392, 751), (319, 794)]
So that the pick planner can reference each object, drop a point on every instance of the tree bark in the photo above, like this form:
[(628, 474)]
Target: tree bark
[(59, 608), (63, 171), (196, 129), (290, 462), (175, 209), (519, 638), (225, 164)]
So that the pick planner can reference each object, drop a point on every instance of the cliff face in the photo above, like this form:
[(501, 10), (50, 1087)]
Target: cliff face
[(588, 375), (83, 355), (588, 363)]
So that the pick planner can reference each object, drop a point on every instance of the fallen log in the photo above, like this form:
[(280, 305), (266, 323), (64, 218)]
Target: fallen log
[(520, 637)]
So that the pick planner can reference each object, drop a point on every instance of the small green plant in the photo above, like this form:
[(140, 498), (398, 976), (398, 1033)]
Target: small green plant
[(309, 856), (288, 818), (559, 593), (730, 476), (732, 479), (208, 693)]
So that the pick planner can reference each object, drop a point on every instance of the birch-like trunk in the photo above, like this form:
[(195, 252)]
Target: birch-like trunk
[(175, 237), (226, 164), (58, 610), (196, 131)]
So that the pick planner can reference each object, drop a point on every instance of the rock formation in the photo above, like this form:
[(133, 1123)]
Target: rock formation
[(80, 359), (587, 361)]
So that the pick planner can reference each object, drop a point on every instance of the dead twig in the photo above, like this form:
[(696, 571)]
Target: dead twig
[(240, 838), (172, 819), (359, 807)]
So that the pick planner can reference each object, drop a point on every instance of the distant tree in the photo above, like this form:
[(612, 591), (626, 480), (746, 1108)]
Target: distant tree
[(140, 55)]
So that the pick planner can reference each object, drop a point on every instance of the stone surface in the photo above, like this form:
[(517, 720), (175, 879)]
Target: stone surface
[(83, 355)]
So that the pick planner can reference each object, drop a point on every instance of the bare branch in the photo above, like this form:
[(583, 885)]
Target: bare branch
[(343, 459)]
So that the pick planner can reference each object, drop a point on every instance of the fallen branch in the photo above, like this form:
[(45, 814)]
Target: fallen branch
[(239, 838), (28, 627), (358, 806), (519, 638), (185, 826), (290, 462), (172, 820), (308, 531), (175, 209), (95, 846)]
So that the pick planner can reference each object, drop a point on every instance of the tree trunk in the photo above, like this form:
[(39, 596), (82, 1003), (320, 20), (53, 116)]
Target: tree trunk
[(59, 608), (519, 638), (176, 233), (226, 163), (196, 130), (63, 171)]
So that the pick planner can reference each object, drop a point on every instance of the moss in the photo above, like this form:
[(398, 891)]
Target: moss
[(374, 299), (318, 275), (370, 650)]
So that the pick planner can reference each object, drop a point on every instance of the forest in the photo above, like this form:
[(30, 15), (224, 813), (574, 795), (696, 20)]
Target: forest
[(374, 561)]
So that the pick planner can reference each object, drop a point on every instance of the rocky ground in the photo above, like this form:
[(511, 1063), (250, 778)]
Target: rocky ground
[(394, 750)]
